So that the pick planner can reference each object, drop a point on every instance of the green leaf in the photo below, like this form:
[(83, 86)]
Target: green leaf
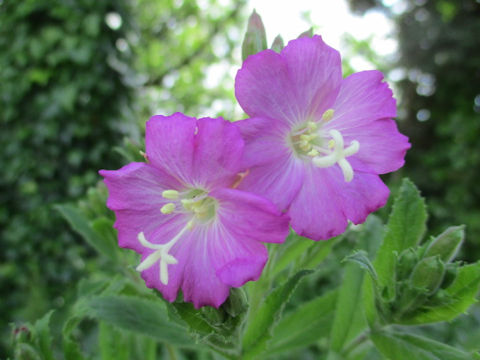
[(305, 325), (395, 345), (80, 224), (259, 329), (405, 228), (113, 343), (277, 44), (463, 292), (138, 315), (294, 248), (255, 39), (41, 330), (361, 259), (348, 305)]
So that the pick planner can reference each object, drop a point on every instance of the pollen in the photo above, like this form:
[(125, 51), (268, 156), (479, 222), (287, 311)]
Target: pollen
[(170, 194), (168, 208), (328, 115)]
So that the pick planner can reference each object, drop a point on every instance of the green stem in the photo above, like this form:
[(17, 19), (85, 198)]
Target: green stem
[(171, 352), (360, 339)]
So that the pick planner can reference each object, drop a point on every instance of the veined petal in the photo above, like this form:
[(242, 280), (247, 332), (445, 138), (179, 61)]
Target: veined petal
[(135, 194), (278, 180), (382, 147), (218, 152), (250, 217), (169, 142), (265, 140), (315, 72), (263, 88), (316, 211), (363, 98)]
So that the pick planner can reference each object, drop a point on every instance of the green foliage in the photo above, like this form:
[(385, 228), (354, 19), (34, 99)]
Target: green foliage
[(62, 104), (395, 345), (258, 331)]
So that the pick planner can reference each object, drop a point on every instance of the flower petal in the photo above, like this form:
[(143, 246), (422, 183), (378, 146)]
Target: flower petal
[(135, 195), (218, 152), (382, 147), (248, 216), (365, 194), (263, 88), (169, 142), (265, 140), (278, 180), (194, 273), (363, 98), (316, 74), (316, 211)]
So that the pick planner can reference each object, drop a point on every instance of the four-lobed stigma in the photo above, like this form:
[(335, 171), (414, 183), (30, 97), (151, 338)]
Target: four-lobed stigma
[(325, 149), (193, 201)]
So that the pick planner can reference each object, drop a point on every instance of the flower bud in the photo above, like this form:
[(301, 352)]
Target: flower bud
[(406, 262), (255, 39), (428, 274), (447, 244), (277, 44)]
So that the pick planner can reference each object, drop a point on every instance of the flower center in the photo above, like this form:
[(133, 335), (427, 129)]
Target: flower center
[(323, 148), (194, 202)]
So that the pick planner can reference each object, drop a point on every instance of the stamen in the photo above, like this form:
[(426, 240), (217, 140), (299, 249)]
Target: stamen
[(312, 125), (168, 208), (338, 155), (144, 155), (170, 194), (328, 115)]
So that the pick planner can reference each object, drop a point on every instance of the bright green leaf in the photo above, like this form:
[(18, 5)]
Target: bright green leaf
[(259, 329), (395, 345), (405, 228), (138, 315), (305, 325), (80, 224)]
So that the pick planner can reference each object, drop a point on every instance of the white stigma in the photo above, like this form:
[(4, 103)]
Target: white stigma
[(161, 253), (338, 155)]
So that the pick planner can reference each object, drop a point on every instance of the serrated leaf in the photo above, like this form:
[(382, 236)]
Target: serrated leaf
[(259, 329), (80, 224), (255, 39), (347, 306), (305, 325), (361, 259), (138, 315), (405, 229), (395, 345), (41, 330), (463, 292)]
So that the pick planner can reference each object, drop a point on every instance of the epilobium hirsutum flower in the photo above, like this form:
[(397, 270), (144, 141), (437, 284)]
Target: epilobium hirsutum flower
[(179, 211), (315, 143)]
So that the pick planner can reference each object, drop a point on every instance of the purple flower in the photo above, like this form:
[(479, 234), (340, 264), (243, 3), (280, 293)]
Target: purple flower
[(179, 211), (315, 142)]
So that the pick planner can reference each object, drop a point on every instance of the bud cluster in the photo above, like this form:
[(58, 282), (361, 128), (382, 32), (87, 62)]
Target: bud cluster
[(422, 276)]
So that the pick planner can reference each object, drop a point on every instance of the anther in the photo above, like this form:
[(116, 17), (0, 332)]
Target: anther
[(312, 125), (170, 194), (328, 115), (168, 208)]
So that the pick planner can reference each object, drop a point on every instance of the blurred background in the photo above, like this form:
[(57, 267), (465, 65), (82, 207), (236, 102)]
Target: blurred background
[(79, 79)]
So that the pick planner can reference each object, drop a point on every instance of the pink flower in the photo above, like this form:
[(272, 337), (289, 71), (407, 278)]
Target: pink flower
[(194, 231), (315, 143)]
